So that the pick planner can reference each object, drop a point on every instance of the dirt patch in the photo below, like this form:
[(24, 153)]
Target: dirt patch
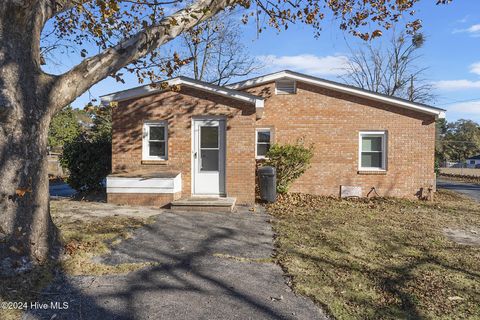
[(86, 210), (90, 229), (469, 237)]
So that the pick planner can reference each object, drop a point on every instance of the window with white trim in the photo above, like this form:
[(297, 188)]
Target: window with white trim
[(373, 150), (155, 141), (263, 141)]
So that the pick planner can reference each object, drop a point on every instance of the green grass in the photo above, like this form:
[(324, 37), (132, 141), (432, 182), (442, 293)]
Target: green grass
[(382, 258)]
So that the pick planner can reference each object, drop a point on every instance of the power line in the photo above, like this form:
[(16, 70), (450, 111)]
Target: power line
[(458, 101)]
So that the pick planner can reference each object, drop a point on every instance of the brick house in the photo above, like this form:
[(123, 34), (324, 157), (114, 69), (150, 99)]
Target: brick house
[(204, 140)]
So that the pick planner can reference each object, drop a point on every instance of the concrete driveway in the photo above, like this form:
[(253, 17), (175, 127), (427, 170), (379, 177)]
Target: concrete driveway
[(469, 189), (209, 266)]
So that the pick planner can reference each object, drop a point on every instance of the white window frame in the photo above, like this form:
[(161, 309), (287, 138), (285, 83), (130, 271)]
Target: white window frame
[(146, 140), (384, 136), (257, 130), (284, 92)]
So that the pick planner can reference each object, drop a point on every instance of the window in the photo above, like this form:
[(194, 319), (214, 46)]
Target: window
[(373, 151), (285, 86), (209, 148), (263, 138), (155, 141), (472, 161)]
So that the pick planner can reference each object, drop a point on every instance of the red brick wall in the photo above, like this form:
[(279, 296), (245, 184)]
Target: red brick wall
[(328, 119), (332, 121), (143, 199), (178, 108)]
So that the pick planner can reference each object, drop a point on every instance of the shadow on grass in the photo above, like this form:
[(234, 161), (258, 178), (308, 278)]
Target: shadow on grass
[(381, 259), (396, 283)]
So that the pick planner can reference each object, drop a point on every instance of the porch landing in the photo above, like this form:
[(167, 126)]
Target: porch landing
[(216, 204)]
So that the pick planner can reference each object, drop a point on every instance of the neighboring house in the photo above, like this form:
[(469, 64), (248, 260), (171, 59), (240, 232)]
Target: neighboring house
[(451, 164), (473, 162), (202, 139)]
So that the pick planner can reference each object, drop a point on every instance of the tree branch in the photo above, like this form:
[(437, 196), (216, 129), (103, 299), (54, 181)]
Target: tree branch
[(56, 7), (92, 70)]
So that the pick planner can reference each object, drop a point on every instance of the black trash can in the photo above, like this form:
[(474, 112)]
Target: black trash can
[(267, 182)]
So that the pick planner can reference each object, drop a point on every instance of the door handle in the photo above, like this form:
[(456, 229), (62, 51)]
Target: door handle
[(195, 155)]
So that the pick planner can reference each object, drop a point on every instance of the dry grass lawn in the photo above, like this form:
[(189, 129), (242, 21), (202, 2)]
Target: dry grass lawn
[(87, 235), (382, 258)]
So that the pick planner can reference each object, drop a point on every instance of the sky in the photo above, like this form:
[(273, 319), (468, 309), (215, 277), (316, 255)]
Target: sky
[(451, 53)]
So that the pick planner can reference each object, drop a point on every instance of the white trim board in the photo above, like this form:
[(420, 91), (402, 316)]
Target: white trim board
[(287, 74), (144, 185), (200, 85)]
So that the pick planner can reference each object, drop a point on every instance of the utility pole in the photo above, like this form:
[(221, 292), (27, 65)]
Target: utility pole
[(410, 89)]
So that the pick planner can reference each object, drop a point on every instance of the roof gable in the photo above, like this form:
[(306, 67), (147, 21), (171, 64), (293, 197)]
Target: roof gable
[(233, 91), (147, 90), (335, 86)]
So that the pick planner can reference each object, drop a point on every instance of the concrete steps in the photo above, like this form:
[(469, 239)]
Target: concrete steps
[(211, 204)]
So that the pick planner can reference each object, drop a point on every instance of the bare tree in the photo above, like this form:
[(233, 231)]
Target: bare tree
[(392, 71), (125, 33), (216, 51)]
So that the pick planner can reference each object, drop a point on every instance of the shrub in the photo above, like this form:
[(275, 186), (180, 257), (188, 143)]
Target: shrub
[(290, 161), (88, 160), (64, 128)]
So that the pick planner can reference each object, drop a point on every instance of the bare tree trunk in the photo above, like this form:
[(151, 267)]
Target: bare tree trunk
[(26, 227)]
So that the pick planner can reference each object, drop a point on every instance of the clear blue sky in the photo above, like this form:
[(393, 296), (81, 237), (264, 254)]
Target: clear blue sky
[(452, 53)]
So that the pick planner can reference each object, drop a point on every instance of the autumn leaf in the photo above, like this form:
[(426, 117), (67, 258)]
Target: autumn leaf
[(22, 191), (377, 33)]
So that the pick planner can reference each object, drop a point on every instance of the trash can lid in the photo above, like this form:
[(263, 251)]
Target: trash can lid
[(267, 171)]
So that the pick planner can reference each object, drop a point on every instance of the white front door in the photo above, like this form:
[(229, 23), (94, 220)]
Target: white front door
[(208, 156)]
